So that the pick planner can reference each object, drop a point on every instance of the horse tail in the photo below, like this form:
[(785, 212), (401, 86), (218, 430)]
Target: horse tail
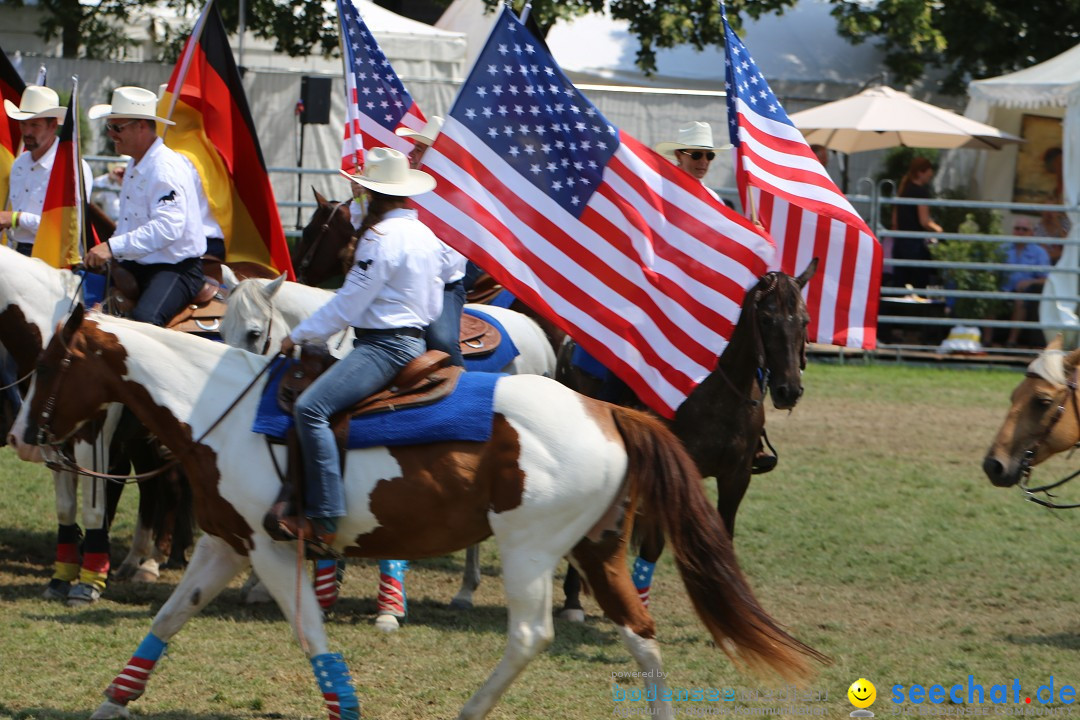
[(667, 488)]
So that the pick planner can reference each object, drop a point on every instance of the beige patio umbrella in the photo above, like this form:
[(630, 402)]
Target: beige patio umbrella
[(880, 117)]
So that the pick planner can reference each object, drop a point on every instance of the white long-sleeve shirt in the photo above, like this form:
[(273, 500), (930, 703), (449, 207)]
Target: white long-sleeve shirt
[(29, 183), (395, 282), (160, 219)]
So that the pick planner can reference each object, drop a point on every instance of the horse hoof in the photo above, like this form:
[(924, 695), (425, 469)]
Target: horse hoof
[(258, 595), (461, 604), (82, 595), (57, 590), (387, 623), (576, 615), (143, 575), (109, 710)]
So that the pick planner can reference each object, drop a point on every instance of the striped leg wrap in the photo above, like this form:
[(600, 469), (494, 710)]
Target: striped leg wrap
[(392, 600), (642, 575), (130, 684), (95, 565), (327, 583), (66, 567), (337, 687)]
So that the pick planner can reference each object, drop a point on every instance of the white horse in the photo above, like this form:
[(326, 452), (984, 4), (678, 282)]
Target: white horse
[(260, 313), (34, 298), (560, 474)]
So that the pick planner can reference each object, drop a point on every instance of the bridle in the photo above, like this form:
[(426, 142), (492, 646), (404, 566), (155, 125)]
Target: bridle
[(309, 254), (46, 437), (1030, 452)]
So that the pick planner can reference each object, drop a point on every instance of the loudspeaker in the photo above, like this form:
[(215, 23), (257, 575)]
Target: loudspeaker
[(315, 95)]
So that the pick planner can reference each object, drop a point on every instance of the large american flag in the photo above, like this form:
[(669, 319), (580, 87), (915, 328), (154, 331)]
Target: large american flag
[(801, 207), (376, 103), (625, 251)]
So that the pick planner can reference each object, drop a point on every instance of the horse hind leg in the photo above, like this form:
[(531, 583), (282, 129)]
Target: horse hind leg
[(603, 564), (212, 566), (527, 581), (572, 586), (470, 580)]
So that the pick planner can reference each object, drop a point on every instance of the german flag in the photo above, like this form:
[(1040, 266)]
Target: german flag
[(62, 224), (11, 88), (215, 131)]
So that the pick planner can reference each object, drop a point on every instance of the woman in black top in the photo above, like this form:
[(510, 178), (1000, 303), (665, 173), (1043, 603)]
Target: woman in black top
[(915, 184)]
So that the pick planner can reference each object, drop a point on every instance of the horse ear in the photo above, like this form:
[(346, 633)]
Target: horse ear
[(318, 197), (807, 273), (228, 277), (271, 288), (1072, 360), (73, 322), (1058, 343)]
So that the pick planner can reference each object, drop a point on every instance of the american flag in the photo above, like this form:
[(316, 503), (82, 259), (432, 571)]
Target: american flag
[(801, 207), (376, 103), (625, 251)]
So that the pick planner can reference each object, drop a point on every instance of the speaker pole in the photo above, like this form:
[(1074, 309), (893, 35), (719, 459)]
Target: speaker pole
[(300, 161)]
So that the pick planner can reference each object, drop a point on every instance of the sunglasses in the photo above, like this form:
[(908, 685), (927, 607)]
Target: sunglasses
[(117, 127), (698, 154)]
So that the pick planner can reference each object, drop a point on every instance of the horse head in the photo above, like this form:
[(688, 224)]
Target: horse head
[(779, 317), (251, 321), (317, 257), (68, 387), (1044, 418)]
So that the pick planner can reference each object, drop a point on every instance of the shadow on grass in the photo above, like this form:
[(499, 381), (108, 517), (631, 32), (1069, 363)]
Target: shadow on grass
[(1062, 641), (7, 713)]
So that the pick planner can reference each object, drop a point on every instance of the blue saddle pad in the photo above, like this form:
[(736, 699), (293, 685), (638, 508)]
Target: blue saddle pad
[(586, 363), (93, 288), (466, 414), (504, 299), (503, 355)]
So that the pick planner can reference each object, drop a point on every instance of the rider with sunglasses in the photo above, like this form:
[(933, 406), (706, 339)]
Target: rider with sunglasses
[(693, 150)]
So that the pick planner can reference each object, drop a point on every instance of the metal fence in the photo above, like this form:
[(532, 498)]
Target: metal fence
[(905, 323)]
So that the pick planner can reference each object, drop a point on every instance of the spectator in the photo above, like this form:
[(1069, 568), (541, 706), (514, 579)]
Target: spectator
[(915, 184), (1024, 281), (106, 190)]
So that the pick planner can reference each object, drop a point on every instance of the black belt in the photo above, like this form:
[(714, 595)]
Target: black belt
[(406, 331)]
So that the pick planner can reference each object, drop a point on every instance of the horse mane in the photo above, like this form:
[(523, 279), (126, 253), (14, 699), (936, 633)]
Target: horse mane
[(1050, 366)]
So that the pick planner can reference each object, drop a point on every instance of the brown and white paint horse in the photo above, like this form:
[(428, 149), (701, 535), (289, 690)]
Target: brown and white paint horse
[(1043, 419), (34, 298), (561, 474)]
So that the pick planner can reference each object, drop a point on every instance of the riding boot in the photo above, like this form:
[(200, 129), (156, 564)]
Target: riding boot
[(764, 461)]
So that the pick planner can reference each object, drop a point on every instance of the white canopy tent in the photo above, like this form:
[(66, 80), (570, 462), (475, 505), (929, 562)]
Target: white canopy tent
[(1051, 88)]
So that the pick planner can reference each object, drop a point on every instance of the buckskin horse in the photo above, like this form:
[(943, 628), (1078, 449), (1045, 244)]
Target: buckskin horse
[(1043, 420), (261, 313), (559, 474), (720, 423)]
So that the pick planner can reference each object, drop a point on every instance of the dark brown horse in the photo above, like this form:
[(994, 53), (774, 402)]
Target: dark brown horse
[(723, 419)]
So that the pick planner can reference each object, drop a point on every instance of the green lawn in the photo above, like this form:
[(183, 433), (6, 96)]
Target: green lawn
[(877, 540)]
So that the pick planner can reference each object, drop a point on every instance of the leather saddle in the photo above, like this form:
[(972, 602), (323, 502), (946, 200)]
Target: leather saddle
[(479, 338), (483, 290), (203, 315)]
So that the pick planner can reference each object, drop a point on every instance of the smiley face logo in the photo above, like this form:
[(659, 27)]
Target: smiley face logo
[(862, 693)]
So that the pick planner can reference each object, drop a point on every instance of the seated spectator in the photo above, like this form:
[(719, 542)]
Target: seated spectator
[(1024, 281)]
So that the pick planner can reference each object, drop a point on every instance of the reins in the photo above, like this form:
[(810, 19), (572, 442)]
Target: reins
[(1029, 454)]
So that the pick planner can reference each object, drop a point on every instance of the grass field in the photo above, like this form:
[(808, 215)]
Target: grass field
[(877, 540)]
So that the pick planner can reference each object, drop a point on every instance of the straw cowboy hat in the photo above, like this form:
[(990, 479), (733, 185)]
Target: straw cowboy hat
[(427, 135), (387, 171), (691, 136), (129, 102), (37, 102)]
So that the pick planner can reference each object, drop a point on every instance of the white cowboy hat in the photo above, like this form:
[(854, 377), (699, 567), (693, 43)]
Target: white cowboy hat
[(36, 102), (692, 136), (387, 171), (427, 135), (129, 102)]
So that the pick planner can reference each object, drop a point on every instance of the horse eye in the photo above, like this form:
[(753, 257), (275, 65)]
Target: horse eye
[(1042, 401), (254, 334)]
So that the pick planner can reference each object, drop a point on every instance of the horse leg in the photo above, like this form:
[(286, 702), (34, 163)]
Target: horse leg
[(275, 563), (604, 565), (94, 573), (68, 536), (731, 487), (651, 547), (391, 605), (470, 580), (212, 566), (572, 609), (527, 579)]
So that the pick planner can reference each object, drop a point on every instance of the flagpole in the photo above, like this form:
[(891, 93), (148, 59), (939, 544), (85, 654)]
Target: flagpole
[(345, 70), (185, 61), (80, 181)]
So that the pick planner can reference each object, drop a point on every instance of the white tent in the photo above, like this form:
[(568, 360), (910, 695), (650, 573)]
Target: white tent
[(1052, 89)]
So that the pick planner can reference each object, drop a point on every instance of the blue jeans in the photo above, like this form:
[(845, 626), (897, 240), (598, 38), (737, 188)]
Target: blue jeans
[(166, 288), (444, 333), (372, 364)]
